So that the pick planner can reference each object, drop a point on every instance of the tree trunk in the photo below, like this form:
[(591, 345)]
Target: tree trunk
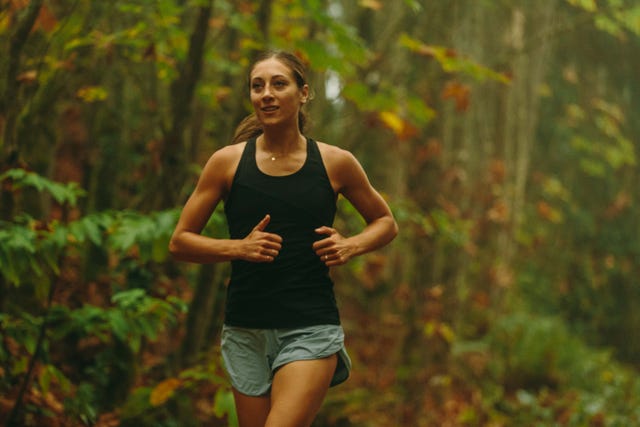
[(10, 106), (174, 153)]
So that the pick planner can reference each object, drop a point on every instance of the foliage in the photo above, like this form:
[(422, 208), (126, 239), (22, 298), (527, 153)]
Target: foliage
[(538, 361), (114, 334), (501, 133)]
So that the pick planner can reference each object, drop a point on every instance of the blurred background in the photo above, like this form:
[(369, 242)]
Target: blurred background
[(504, 134)]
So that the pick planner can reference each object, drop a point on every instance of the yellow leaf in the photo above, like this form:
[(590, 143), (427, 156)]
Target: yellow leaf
[(371, 4), (92, 93), (397, 124), (392, 121), (163, 391), (430, 329), (446, 332), (588, 5)]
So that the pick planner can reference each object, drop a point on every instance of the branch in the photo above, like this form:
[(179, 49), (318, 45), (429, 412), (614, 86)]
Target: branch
[(17, 405)]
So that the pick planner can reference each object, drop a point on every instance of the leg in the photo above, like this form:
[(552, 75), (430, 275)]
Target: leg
[(252, 410), (298, 390)]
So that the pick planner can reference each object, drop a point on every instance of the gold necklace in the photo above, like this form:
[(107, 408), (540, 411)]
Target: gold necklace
[(273, 157)]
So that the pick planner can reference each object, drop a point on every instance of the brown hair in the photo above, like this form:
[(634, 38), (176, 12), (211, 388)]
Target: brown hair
[(250, 126)]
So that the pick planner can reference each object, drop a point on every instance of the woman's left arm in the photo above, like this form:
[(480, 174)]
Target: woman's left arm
[(352, 182)]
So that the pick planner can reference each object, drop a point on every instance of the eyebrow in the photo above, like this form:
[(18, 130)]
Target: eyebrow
[(276, 76)]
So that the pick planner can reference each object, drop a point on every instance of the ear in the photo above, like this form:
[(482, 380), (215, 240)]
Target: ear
[(304, 94)]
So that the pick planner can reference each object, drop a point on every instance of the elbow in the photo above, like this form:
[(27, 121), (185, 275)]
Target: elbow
[(174, 248), (394, 229)]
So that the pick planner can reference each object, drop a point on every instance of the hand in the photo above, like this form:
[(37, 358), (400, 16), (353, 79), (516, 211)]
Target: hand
[(334, 249), (260, 246)]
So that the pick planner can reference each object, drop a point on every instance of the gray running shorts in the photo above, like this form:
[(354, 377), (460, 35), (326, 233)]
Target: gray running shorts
[(251, 356)]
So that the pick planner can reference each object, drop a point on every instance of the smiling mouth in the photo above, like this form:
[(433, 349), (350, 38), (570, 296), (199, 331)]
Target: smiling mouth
[(268, 109)]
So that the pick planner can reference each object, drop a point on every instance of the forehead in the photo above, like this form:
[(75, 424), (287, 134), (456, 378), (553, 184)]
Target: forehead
[(270, 67)]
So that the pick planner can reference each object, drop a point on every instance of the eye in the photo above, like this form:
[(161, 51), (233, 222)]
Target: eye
[(280, 83), (255, 86)]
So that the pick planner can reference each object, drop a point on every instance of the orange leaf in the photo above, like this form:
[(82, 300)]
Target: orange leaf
[(497, 170), (217, 23), (28, 76), (548, 212), (458, 92), (46, 19), (620, 203), (499, 212), (403, 129), (163, 391)]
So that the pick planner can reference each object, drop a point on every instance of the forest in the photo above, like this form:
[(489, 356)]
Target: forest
[(503, 134)]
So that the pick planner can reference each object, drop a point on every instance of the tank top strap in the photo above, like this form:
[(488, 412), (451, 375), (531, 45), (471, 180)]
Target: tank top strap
[(314, 158), (247, 160)]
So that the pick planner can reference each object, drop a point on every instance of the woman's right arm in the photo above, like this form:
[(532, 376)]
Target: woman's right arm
[(187, 244)]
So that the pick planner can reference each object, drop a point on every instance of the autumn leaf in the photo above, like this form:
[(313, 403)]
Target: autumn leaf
[(548, 212), (439, 329), (92, 93), (619, 204), (502, 276), (110, 419), (446, 332), (222, 93), (459, 93), (430, 151), (371, 4), (499, 212), (497, 171), (46, 19), (403, 129), (163, 391), (217, 23), (29, 76), (392, 121)]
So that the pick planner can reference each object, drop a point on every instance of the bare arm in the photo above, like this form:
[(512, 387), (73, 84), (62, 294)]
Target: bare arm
[(350, 179), (187, 244)]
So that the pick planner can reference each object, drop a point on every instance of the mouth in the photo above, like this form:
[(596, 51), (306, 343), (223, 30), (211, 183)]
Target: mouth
[(269, 109)]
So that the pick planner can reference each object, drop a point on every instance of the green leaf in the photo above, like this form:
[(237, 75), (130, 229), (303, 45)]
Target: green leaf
[(119, 325), (223, 405), (129, 299), (62, 193)]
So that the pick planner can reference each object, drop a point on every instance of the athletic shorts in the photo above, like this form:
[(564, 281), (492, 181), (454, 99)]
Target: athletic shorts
[(252, 356)]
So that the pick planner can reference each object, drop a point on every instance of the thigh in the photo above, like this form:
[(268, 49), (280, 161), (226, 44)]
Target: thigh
[(298, 390), (252, 411)]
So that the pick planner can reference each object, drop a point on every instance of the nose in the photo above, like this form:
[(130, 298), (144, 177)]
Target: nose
[(266, 93)]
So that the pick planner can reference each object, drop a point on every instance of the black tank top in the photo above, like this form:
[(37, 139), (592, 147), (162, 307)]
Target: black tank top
[(294, 290)]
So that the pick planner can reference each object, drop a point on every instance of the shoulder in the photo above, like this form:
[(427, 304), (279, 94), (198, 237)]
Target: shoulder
[(335, 157), (229, 152), (342, 166), (222, 164), (226, 157)]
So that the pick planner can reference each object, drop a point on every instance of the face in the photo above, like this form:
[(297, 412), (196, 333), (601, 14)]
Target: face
[(275, 95)]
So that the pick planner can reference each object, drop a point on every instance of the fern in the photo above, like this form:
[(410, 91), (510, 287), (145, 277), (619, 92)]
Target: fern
[(61, 193)]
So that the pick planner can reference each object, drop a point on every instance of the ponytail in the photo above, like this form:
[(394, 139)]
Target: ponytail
[(249, 127)]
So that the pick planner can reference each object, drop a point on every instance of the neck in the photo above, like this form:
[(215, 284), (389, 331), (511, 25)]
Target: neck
[(281, 142)]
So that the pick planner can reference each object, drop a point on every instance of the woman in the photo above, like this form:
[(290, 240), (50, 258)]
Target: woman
[(282, 342)]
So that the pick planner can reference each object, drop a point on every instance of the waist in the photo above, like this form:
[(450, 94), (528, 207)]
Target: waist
[(271, 302)]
